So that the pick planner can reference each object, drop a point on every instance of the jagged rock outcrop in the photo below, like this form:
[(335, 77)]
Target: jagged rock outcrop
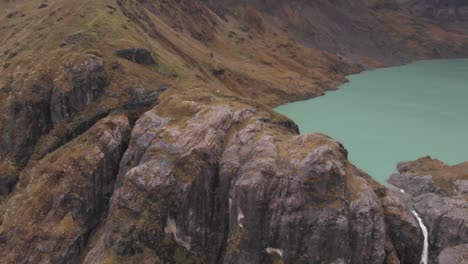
[(59, 201), (438, 193), (23, 122), (229, 186), (36, 105), (84, 84), (23, 118), (41, 113)]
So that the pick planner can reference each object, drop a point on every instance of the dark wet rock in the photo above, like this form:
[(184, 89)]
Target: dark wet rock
[(63, 134), (218, 72), (137, 55), (60, 200), (140, 100), (83, 84), (7, 183)]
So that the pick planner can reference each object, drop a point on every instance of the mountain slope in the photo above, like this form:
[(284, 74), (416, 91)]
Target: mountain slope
[(141, 131)]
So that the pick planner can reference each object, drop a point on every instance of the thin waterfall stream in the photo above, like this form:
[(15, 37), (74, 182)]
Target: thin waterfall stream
[(425, 252)]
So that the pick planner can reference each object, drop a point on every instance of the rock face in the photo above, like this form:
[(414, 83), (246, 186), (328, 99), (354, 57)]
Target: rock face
[(443, 10), (41, 113), (454, 255), (23, 122), (41, 105), (86, 82), (47, 103), (402, 227), (50, 223), (438, 193), (222, 188), (137, 55)]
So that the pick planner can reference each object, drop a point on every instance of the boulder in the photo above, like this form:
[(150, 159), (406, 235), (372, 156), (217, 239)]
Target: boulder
[(137, 55)]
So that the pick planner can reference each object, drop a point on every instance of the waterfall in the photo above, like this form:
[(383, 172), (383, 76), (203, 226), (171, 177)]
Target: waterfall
[(425, 253), (426, 240)]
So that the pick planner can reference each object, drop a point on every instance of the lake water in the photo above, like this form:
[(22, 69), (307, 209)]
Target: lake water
[(394, 114)]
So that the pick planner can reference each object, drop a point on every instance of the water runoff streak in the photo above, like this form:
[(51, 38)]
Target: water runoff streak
[(425, 252)]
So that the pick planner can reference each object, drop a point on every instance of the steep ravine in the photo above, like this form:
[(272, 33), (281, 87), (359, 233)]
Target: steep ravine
[(141, 132)]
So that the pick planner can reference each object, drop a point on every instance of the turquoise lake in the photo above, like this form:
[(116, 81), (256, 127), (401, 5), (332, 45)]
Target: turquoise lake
[(394, 114)]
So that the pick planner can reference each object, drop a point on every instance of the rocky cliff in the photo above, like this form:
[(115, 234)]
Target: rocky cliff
[(142, 132), (439, 193)]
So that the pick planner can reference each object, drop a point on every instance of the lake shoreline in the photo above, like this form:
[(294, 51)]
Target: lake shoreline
[(413, 101)]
